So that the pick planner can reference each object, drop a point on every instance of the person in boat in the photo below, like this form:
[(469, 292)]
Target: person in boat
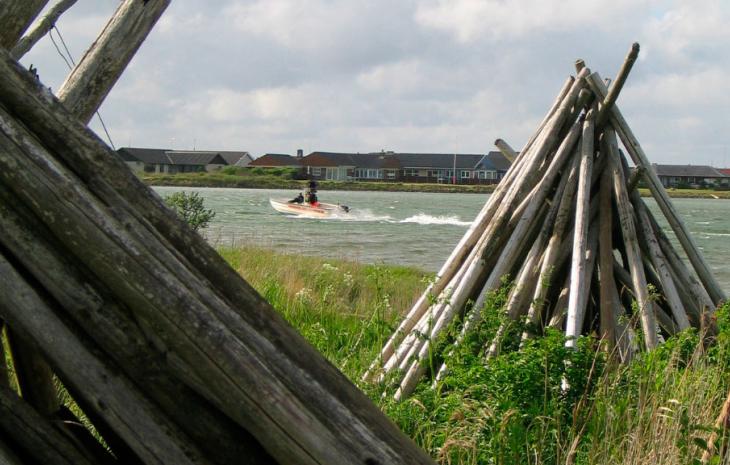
[(298, 199), (312, 192)]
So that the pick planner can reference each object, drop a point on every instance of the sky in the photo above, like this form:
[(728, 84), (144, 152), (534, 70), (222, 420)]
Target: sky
[(444, 76)]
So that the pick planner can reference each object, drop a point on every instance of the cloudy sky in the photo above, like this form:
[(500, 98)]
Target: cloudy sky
[(406, 75)]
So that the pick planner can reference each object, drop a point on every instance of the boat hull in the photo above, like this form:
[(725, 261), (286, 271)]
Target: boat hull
[(321, 210)]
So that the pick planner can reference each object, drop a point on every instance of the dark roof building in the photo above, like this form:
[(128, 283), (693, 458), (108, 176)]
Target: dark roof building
[(272, 160), (676, 175), (196, 158), (143, 155)]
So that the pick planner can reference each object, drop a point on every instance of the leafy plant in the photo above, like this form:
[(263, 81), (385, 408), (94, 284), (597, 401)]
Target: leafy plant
[(189, 207)]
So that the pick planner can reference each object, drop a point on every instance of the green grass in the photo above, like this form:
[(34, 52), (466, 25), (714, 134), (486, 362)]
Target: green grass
[(658, 409)]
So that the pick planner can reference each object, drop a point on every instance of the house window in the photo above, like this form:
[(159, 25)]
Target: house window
[(373, 174), (149, 168), (390, 174), (465, 174), (410, 172), (316, 171)]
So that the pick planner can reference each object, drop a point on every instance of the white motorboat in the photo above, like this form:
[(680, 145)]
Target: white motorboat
[(317, 210)]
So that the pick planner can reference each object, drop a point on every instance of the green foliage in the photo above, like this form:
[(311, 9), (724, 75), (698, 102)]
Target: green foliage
[(538, 404), (189, 207)]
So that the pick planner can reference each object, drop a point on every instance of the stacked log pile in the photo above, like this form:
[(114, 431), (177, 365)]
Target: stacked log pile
[(170, 355), (569, 228)]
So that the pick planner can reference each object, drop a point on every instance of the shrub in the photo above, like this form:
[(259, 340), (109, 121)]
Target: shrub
[(189, 207)]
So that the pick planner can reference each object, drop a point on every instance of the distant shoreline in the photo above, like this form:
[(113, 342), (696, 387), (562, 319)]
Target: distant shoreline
[(268, 182)]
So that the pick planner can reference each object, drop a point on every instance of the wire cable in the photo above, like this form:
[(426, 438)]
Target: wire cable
[(70, 57)]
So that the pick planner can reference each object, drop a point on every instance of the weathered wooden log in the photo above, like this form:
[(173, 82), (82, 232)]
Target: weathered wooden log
[(606, 259), (93, 77), (265, 376), (7, 456), (33, 374), (610, 99), (646, 308), (35, 434), (560, 309), (509, 153), (85, 300), (657, 189), (135, 419), (16, 16), (669, 289), (41, 29), (579, 274)]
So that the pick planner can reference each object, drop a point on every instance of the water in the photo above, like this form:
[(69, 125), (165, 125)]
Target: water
[(405, 228)]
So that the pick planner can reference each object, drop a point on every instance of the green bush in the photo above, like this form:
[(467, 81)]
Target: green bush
[(189, 207)]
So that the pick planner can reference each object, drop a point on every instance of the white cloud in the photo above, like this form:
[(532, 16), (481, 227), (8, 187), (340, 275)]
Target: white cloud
[(469, 20)]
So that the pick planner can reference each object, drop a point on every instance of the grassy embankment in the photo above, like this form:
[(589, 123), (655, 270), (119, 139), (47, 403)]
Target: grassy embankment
[(258, 178), (659, 409)]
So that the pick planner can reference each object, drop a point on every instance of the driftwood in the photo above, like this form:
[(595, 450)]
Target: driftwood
[(206, 326), (16, 16), (555, 226), (41, 29), (93, 77)]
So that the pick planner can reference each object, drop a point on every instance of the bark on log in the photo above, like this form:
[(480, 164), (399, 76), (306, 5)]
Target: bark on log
[(36, 435), (657, 189), (16, 16), (93, 77), (40, 29), (265, 376)]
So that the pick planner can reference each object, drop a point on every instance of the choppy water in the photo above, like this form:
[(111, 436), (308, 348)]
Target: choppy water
[(404, 228)]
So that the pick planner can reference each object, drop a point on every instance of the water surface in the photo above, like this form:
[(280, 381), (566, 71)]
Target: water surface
[(405, 228)]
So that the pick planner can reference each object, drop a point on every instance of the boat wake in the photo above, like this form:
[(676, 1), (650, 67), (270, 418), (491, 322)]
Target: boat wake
[(423, 218), (367, 216)]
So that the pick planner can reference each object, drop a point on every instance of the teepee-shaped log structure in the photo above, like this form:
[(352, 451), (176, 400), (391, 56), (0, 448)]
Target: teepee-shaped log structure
[(170, 354), (568, 225)]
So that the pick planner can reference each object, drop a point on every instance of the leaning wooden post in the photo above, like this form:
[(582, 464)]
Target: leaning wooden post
[(662, 198), (40, 29), (15, 17), (94, 76), (646, 308), (617, 85), (509, 153), (671, 294), (578, 271), (605, 243)]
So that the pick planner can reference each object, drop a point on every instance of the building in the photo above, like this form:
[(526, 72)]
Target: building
[(180, 161), (276, 160), (690, 176), (407, 167)]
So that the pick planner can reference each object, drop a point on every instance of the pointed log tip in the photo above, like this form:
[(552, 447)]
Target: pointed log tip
[(580, 64), (634, 50), (498, 141)]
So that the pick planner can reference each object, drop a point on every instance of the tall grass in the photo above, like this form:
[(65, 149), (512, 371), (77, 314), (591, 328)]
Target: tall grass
[(515, 409)]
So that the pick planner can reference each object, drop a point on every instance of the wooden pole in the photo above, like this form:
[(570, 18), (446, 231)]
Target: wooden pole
[(36, 435), (90, 81), (124, 407), (646, 308), (579, 273), (657, 189), (509, 153), (16, 16), (226, 342), (671, 294), (40, 29), (606, 259), (618, 84)]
